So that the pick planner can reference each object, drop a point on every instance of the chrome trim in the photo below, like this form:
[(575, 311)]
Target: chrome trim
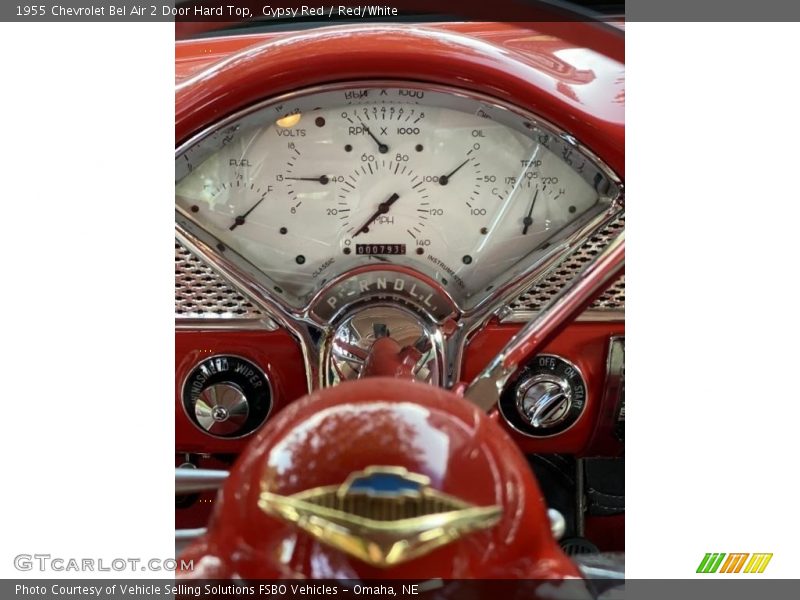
[(600, 574), (299, 321), (614, 395), (184, 537), (615, 365), (486, 388), (189, 534), (428, 330), (258, 368), (444, 308), (191, 481), (558, 524), (580, 498), (544, 436), (588, 316), (265, 324)]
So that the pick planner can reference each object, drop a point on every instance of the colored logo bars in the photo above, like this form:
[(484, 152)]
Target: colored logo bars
[(734, 563)]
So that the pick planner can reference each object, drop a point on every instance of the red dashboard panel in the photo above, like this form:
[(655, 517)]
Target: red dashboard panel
[(585, 344)]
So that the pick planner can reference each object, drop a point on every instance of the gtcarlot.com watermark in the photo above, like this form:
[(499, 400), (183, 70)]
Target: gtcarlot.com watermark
[(58, 564)]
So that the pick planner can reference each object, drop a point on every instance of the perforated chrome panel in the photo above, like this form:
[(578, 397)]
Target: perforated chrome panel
[(612, 301), (202, 293)]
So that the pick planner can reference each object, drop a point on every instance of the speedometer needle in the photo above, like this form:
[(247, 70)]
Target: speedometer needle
[(528, 220), (382, 148), (323, 179), (443, 179), (242, 218), (383, 208)]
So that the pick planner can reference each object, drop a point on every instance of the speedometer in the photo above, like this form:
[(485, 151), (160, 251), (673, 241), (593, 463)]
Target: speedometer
[(456, 187)]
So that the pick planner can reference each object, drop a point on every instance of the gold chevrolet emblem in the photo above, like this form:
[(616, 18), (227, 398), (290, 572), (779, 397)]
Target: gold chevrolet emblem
[(382, 515)]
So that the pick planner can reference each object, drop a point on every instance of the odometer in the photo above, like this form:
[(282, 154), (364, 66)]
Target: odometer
[(381, 249)]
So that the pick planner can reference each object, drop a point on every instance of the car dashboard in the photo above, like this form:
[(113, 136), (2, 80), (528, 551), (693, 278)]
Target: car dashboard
[(438, 184)]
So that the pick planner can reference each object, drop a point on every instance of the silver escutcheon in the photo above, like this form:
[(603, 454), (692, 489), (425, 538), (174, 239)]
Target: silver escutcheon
[(356, 333)]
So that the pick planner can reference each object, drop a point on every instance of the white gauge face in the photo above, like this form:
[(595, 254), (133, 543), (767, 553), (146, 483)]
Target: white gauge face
[(452, 187)]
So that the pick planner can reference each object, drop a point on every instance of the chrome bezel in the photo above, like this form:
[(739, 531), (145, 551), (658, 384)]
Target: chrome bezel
[(615, 366), (615, 362), (591, 316), (297, 318), (429, 327), (228, 355), (519, 384), (317, 299), (225, 324)]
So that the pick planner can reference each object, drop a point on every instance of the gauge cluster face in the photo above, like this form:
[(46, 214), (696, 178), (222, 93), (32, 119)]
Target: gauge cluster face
[(458, 188)]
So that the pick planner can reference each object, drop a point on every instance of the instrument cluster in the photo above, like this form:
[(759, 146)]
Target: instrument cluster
[(456, 187)]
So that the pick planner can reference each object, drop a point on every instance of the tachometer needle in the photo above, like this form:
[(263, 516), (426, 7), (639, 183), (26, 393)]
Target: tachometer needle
[(383, 208), (240, 220), (382, 148), (528, 220), (323, 179), (443, 179)]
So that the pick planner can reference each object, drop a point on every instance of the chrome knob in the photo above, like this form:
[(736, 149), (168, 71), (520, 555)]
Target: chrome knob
[(227, 396), (544, 401), (548, 398), (222, 409)]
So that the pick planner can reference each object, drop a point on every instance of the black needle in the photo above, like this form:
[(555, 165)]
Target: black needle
[(528, 220), (323, 179), (382, 148), (383, 208), (445, 178), (241, 218)]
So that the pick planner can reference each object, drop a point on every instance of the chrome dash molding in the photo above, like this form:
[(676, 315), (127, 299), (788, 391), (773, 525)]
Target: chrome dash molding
[(615, 375), (615, 384)]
